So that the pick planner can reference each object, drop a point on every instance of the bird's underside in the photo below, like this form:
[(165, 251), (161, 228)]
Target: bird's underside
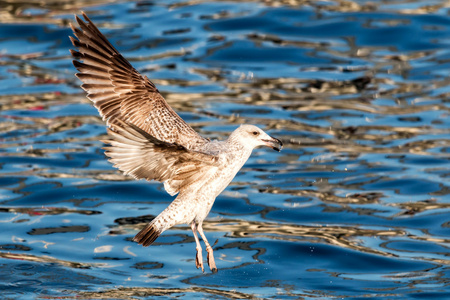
[(149, 140)]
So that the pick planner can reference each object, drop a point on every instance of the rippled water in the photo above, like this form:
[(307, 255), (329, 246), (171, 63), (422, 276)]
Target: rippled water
[(356, 205)]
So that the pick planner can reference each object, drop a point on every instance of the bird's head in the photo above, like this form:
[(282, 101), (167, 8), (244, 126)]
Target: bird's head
[(252, 136)]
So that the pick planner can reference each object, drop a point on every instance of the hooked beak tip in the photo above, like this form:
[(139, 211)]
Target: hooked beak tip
[(274, 143)]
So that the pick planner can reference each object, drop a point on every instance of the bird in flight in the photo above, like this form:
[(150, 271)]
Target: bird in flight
[(149, 140)]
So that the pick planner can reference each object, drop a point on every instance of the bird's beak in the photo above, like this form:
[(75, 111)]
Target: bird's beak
[(274, 143)]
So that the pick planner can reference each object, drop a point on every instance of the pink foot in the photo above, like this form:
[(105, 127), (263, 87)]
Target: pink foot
[(211, 262), (199, 260)]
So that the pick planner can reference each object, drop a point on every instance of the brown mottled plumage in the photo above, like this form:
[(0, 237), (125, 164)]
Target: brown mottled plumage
[(148, 140)]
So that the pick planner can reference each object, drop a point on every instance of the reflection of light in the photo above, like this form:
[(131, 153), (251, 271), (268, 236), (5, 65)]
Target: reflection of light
[(46, 244), (103, 249), (127, 251), (48, 259), (16, 239), (11, 219)]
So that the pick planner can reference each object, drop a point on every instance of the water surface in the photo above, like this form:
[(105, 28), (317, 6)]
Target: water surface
[(356, 205)]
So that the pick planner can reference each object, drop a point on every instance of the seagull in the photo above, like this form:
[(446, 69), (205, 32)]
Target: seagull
[(148, 140)]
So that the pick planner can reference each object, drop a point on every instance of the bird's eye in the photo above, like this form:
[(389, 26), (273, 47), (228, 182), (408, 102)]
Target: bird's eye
[(255, 133)]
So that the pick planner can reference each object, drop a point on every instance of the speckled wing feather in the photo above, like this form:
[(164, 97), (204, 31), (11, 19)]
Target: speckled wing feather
[(141, 155), (120, 92)]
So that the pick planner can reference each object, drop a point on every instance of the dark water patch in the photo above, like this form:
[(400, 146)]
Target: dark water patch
[(148, 265), (62, 229), (110, 258), (14, 247)]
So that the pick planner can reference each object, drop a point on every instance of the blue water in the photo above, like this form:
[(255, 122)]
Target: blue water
[(356, 205)]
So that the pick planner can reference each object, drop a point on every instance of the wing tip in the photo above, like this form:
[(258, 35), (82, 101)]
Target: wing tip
[(85, 16), (78, 19)]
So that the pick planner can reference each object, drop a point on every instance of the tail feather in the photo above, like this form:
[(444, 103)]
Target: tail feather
[(165, 220), (147, 235)]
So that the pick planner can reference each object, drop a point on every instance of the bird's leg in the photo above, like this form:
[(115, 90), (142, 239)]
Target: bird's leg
[(198, 257), (209, 249)]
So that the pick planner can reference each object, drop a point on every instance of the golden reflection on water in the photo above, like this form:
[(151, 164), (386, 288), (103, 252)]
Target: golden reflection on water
[(132, 293), (46, 259), (15, 11), (342, 236)]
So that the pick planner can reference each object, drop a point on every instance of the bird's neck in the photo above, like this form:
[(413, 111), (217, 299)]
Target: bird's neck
[(236, 144), (240, 151)]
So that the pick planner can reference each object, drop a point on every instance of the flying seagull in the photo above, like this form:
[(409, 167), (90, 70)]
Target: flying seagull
[(149, 140)]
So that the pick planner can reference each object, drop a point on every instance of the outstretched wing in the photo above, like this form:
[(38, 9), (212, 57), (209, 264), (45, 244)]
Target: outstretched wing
[(120, 92), (137, 153)]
